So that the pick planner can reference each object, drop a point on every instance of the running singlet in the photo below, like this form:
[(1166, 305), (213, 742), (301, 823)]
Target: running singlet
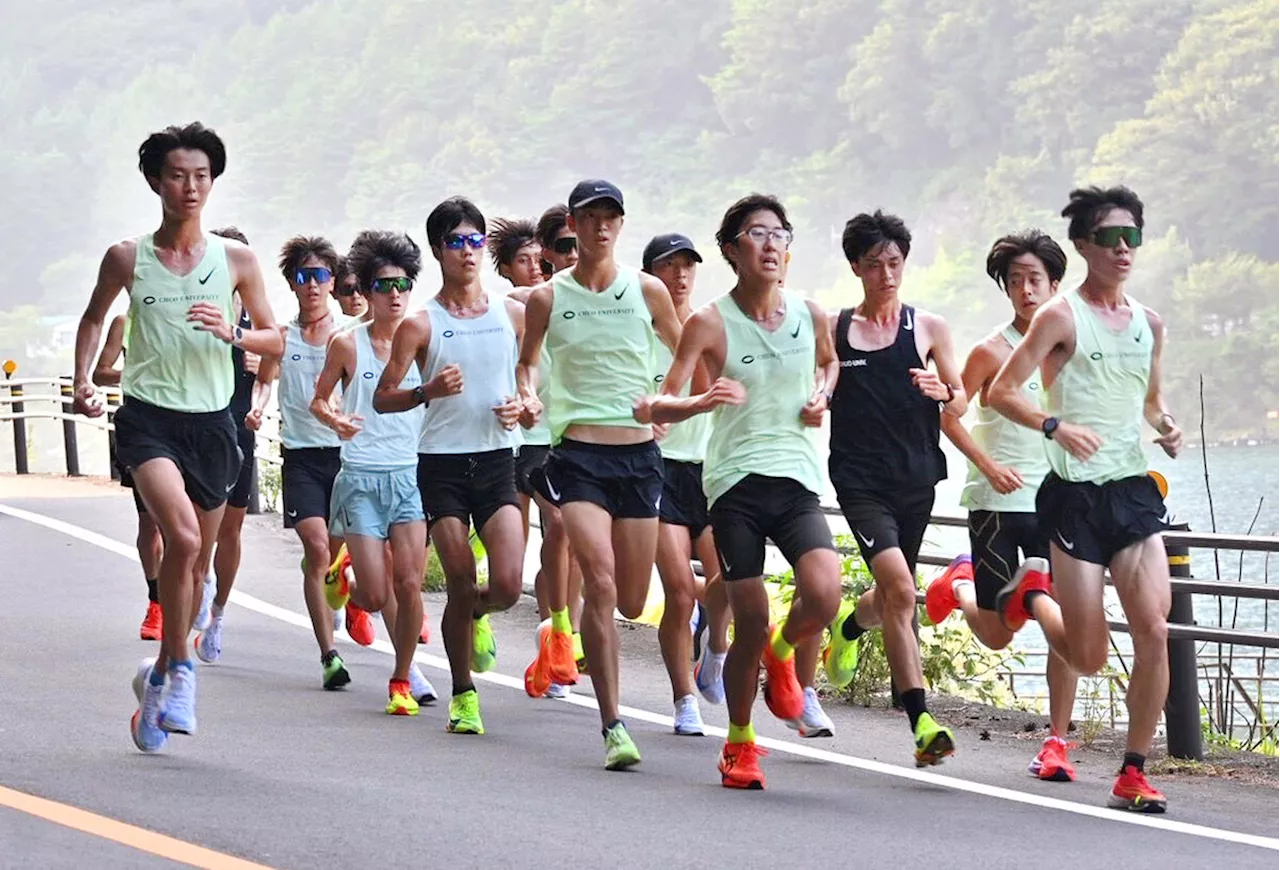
[(884, 431), (1103, 386), (1011, 445), (686, 441), (485, 350), (600, 345), (764, 435), (387, 442), (170, 364), (300, 368)]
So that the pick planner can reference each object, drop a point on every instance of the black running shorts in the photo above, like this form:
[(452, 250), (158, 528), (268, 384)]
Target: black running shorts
[(530, 458), (624, 479), (470, 486), (683, 501), (202, 446), (306, 482), (1094, 521), (882, 521), (239, 497), (757, 508), (995, 539)]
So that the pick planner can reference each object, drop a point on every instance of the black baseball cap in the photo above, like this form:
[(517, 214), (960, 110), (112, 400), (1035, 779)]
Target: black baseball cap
[(594, 190), (664, 246)]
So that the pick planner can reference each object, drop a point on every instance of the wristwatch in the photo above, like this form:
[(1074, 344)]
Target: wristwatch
[(420, 396), (951, 394), (1049, 426), (237, 335)]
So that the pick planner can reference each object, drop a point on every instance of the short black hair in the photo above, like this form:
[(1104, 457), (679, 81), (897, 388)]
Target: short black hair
[(508, 236), (296, 251), (374, 249), (1035, 242), (231, 233), (549, 225), (1088, 205), (194, 136), (342, 271), (449, 215), (736, 216), (866, 232)]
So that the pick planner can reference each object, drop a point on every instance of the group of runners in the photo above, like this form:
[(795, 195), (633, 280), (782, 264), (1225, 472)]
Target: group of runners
[(647, 433)]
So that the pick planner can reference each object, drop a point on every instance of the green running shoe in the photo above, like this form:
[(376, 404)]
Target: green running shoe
[(464, 714), (335, 670), (484, 649), (620, 750), (933, 741), (840, 658)]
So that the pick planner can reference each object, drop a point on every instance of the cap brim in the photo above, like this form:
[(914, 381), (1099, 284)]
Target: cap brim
[(594, 199), (682, 248)]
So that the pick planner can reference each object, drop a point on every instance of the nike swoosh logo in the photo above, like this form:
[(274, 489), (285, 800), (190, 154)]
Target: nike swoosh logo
[(210, 275), (911, 324), (292, 514), (797, 332), (620, 293), (551, 488), (1167, 518), (866, 542), (1067, 545), (231, 487)]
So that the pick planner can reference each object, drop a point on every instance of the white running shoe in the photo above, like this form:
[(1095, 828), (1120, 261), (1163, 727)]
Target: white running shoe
[(209, 641), (419, 686), (178, 704), (146, 733), (688, 717), (207, 593), (708, 675), (558, 692), (814, 722), (339, 620)]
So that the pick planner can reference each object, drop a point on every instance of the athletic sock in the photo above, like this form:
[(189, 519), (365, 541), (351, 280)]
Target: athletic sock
[(560, 621), (153, 591), (157, 677), (742, 733), (216, 611), (173, 666), (328, 657), (913, 703), (606, 729), (850, 629), (1133, 759), (961, 581), (462, 690), (1029, 597), (781, 648)]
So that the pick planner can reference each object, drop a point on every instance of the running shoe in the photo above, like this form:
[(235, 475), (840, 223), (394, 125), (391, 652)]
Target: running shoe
[(209, 642), (688, 718), (620, 750), (207, 591), (1011, 599), (933, 742), (782, 692), (144, 725), (557, 648), (339, 620), (484, 648), (337, 581), (360, 626), (579, 655), (1132, 792), (1051, 763), (153, 623), (335, 670), (400, 700), (940, 598), (698, 626), (840, 658), (424, 635), (537, 677), (740, 766), (708, 675), (557, 692), (464, 714), (178, 704), (420, 686), (814, 722)]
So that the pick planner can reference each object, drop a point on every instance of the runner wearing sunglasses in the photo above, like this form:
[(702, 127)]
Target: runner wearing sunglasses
[(1098, 351), (346, 289)]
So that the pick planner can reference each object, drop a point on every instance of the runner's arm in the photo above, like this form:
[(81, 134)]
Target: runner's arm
[(1051, 327), (537, 315), (263, 380), (698, 336), (339, 360), (979, 368), (666, 323), (113, 275), (828, 364), (1154, 408), (412, 336), (105, 373), (265, 338), (944, 357)]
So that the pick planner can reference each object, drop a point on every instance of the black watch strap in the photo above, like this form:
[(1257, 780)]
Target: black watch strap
[(1049, 426)]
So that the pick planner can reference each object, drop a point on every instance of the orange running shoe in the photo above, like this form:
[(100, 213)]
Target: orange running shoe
[(153, 623), (537, 677), (359, 625), (558, 651), (1132, 792), (400, 700), (1010, 600), (424, 636), (1051, 763), (940, 597), (782, 692), (740, 766)]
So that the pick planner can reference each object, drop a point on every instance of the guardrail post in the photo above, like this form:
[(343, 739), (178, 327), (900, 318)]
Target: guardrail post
[(1182, 707), (69, 444), (113, 402), (20, 459), (255, 500)]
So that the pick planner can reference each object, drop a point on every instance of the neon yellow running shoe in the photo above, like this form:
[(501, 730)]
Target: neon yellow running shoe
[(620, 750), (484, 649), (337, 587), (933, 741), (840, 658), (400, 700), (464, 714), (579, 655)]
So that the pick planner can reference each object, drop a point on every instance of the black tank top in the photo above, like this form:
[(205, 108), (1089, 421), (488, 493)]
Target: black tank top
[(242, 398), (884, 432)]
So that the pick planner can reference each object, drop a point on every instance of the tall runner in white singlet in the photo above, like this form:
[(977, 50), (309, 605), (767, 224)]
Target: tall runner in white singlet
[(1098, 352), (309, 448), (174, 433), (1006, 464), (375, 495), (464, 344)]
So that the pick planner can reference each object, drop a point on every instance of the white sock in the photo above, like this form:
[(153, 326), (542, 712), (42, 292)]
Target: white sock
[(216, 611), (958, 582)]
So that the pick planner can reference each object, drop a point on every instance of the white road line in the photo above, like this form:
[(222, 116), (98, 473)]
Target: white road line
[(1098, 812)]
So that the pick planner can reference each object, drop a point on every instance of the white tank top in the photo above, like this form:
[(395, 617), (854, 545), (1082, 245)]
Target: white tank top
[(387, 442), (299, 370), (485, 349)]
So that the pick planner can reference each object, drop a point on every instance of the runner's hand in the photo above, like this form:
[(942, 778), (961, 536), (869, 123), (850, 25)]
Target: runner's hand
[(508, 412), (347, 427), (929, 384), (253, 420), (85, 401), (660, 430), (251, 362), (1003, 479), (208, 318), (1171, 441), (725, 391), (530, 412), (1080, 441), (642, 410), (811, 413), (447, 383)]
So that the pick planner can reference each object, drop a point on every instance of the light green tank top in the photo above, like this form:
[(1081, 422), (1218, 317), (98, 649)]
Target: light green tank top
[(599, 345), (170, 364), (539, 434), (1009, 444), (1103, 386), (685, 441), (764, 435)]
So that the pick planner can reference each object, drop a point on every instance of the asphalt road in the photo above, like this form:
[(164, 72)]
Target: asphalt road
[(287, 775)]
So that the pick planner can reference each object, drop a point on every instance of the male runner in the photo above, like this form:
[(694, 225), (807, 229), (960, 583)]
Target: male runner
[(885, 459), (310, 450), (464, 344), (683, 526), (515, 250), (346, 289), (173, 431), (1098, 351), (375, 495), (768, 359), (1006, 465), (598, 320)]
